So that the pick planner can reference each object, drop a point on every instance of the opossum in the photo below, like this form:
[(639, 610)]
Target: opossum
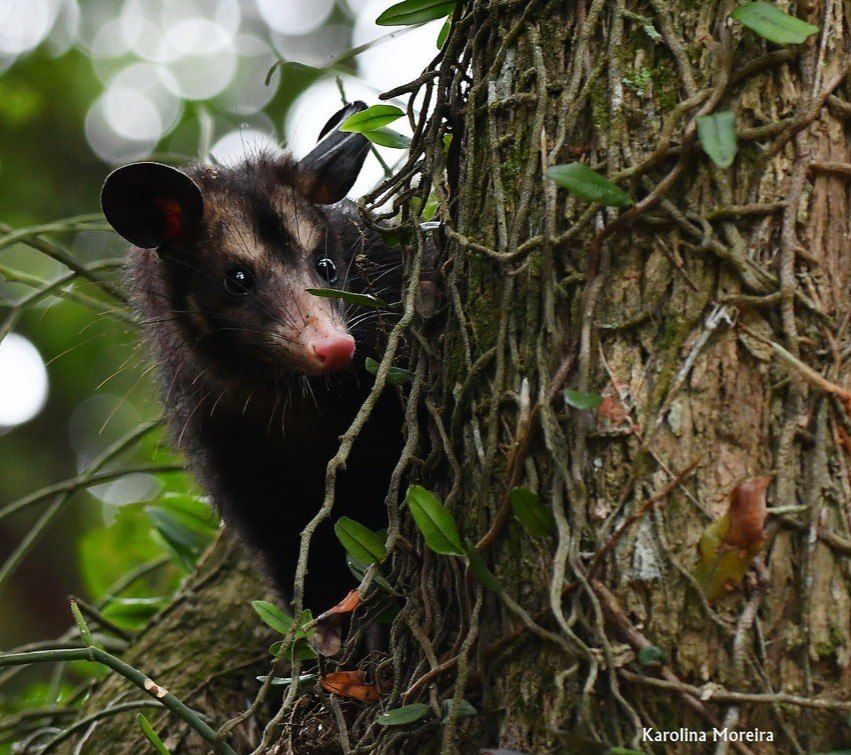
[(259, 378)]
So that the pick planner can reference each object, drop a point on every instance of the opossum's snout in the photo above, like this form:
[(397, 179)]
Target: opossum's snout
[(332, 352), (324, 346)]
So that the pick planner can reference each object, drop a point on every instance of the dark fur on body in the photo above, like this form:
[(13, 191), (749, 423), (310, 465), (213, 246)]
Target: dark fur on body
[(258, 433)]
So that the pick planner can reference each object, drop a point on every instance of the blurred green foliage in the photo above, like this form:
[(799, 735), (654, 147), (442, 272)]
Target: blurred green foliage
[(100, 387)]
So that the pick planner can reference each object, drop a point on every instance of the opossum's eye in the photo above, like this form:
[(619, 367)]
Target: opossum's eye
[(327, 269), (239, 281)]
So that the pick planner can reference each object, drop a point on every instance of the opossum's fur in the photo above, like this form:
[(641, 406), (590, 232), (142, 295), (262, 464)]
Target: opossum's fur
[(258, 433)]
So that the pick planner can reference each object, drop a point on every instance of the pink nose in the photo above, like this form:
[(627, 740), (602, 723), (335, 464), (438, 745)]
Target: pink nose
[(333, 352)]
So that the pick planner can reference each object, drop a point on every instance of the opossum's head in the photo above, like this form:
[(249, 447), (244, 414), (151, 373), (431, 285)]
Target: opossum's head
[(239, 247)]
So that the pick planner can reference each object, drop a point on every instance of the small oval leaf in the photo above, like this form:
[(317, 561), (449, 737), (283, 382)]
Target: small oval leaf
[(480, 569), (358, 569), (650, 656), (771, 23), (386, 137), (364, 544), (395, 375), (434, 521), (273, 616), (404, 715), (581, 400), (717, 134), (372, 118), (361, 300), (444, 33), (465, 710), (531, 513), (589, 185), (412, 12)]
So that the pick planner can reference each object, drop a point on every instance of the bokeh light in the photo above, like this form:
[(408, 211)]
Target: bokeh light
[(241, 143), (154, 56), (396, 59), (130, 488), (99, 421), (23, 381), (25, 25), (295, 16)]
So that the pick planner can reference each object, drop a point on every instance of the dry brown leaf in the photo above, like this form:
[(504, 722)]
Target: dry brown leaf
[(350, 684)]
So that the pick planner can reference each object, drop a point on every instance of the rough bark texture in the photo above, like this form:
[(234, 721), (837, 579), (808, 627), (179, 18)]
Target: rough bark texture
[(713, 314), (206, 648), (674, 309)]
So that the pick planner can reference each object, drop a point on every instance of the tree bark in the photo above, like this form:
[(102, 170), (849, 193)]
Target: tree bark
[(206, 648), (706, 314)]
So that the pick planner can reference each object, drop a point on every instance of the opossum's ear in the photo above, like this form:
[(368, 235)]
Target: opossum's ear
[(149, 203), (326, 174)]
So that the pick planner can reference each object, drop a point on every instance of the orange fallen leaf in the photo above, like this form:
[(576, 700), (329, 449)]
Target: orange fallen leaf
[(747, 513), (345, 606), (350, 684), (327, 634)]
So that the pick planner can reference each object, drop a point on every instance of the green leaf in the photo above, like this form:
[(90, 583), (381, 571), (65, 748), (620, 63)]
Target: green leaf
[(361, 300), (404, 715), (480, 569), (721, 567), (580, 400), (107, 553), (278, 681), (273, 616), (133, 613), (396, 235), (358, 569), (531, 513), (444, 33), (372, 118), (650, 656), (152, 736), (434, 521), (302, 650), (388, 138), (187, 523), (195, 512), (281, 622), (412, 12), (717, 134), (771, 23), (395, 375), (364, 544), (465, 710), (589, 185), (389, 614)]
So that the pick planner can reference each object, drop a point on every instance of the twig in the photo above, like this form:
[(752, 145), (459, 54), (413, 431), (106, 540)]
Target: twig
[(98, 655), (719, 694)]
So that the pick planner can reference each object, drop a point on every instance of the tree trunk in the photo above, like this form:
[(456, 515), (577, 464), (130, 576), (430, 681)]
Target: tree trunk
[(712, 316)]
